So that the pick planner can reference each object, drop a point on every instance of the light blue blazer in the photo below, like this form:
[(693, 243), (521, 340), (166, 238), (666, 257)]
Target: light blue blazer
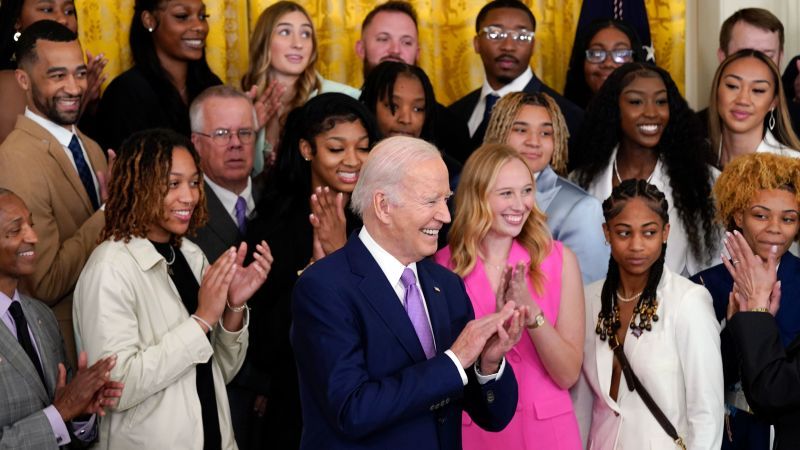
[(576, 219)]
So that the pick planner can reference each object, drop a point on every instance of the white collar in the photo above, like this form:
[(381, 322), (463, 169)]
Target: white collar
[(229, 198), (62, 135), (392, 268), (517, 85)]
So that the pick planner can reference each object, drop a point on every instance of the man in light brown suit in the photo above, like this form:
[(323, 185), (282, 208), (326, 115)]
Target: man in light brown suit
[(57, 171)]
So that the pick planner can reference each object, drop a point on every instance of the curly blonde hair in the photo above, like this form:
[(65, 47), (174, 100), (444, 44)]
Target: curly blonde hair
[(505, 113), (139, 184), (746, 175), (259, 73), (474, 216)]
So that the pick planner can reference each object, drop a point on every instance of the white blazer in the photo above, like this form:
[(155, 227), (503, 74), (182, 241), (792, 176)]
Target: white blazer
[(679, 255), (678, 362)]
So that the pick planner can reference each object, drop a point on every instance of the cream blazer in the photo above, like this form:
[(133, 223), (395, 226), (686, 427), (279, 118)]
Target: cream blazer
[(679, 256), (126, 304), (679, 363)]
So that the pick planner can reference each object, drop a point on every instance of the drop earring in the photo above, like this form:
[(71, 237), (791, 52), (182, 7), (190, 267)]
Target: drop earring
[(16, 36), (771, 119)]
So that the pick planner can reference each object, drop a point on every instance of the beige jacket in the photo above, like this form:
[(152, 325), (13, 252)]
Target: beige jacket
[(126, 304)]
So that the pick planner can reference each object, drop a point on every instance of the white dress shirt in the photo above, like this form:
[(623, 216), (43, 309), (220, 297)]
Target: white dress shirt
[(228, 198), (517, 85)]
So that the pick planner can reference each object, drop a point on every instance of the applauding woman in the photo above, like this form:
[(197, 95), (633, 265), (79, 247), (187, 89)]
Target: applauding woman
[(499, 230), (650, 334), (757, 197), (177, 325), (748, 112)]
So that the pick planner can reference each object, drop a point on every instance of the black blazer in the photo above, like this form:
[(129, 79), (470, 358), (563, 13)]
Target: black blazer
[(464, 106), (770, 374)]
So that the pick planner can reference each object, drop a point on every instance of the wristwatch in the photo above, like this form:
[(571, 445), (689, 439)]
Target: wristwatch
[(538, 321)]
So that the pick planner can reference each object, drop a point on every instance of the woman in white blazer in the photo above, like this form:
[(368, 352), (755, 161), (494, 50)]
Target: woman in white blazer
[(639, 126), (177, 326), (666, 327), (747, 111)]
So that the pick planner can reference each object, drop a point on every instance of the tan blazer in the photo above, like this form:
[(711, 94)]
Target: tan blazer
[(34, 165)]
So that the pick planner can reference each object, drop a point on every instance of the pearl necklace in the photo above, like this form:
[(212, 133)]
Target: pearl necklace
[(619, 179), (628, 299)]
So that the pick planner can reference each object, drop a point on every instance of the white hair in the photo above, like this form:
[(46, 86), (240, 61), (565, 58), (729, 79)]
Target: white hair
[(196, 110), (389, 163)]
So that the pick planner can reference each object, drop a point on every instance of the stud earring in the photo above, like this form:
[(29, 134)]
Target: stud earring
[(772, 118), (16, 36), (149, 29)]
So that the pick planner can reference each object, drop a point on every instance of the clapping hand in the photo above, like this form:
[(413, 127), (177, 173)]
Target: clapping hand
[(513, 286), (755, 280), (247, 280), (90, 391), (328, 219), (268, 105), (94, 79)]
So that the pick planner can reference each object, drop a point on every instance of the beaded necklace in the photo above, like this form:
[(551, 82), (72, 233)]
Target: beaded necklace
[(644, 314)]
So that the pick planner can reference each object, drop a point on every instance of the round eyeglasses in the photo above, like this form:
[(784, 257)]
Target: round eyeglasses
[(222, 136), (493, 33), (619, 56)]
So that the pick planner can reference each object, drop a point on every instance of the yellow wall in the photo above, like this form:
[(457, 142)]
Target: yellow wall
[(446, 32)]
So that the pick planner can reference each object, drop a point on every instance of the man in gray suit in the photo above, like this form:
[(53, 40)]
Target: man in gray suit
[(223, 122), (38, 409)]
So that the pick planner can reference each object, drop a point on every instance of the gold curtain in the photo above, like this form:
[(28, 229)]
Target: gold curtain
[(446, 31)]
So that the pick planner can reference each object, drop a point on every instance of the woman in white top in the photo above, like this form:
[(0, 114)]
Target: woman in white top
[(639, 126), (659, 323), (747, 110)]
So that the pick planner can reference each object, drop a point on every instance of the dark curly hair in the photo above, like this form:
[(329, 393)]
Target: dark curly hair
[(291, 175), (139, 184), (379, 85), (576, 89), (682, 150)]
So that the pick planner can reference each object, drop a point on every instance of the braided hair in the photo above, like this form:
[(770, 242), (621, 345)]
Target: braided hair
[(608, 318)]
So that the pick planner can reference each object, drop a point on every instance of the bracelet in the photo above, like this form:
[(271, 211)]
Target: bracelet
[(201, 320), (238, 308), (759, 310)]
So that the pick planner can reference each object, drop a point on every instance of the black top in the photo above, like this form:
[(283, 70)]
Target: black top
[(188, 288), (132, 103)]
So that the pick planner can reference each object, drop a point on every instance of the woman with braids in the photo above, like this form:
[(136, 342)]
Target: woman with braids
[(532, 124), (167, 39), (757, 197), (639, 126), (178, 326), (747, 112), (658, 324), (499, 242)]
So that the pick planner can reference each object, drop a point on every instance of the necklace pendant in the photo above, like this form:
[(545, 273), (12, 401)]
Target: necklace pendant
[(636, 332)]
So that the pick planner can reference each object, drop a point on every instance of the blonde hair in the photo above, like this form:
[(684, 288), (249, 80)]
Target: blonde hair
[(505, 113), (474, 215), (746, 175), (783, 131), (259, 72)]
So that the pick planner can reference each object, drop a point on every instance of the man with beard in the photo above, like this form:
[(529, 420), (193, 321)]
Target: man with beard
[(389, 33), (504, 40), (56, 170)]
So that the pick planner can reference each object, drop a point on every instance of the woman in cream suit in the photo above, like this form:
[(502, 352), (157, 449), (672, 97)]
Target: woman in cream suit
[(668, 332)]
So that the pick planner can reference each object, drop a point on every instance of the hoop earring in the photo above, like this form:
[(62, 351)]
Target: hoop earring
[(771, 119), (16, 36)]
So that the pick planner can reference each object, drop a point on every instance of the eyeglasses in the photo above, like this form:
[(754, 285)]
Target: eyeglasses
[(222, 136), (619, 56), (493, 33)]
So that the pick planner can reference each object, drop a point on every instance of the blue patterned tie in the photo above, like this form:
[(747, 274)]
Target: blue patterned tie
[(83, 170), (241, 215), (491, 99)]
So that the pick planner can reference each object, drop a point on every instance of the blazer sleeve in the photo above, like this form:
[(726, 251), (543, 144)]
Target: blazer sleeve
[(770, 376), (582, 231), (330, 353), (107, 321), (31, 432), (697, 337)]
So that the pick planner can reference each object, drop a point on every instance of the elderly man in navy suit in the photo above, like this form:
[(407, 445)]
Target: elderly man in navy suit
[(388, 351), (38, 409)]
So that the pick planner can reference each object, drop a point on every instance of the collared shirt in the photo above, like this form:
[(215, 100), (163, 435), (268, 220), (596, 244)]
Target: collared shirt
[(64, 136), (228, 198), (517, 85), (393, 270)]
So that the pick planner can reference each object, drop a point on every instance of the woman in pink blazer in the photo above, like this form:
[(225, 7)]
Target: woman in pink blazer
[(499, 243)]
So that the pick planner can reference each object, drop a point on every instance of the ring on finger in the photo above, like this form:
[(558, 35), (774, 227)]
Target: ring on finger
[(735, 262)]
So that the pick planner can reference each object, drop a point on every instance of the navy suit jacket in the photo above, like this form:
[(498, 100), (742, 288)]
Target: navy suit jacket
[(364, 380), (464, 106)]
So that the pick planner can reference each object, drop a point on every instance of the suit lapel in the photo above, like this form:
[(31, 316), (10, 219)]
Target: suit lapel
[(49, 366), (382, 297), (436, 301), (17, 358)]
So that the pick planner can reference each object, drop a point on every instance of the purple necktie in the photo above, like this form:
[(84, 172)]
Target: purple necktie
[(241, 214), (416, 312)]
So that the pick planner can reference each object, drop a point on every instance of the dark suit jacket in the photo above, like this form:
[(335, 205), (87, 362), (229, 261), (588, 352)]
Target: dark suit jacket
[(364, 379), (464, 106), (770, 374), (22, 395)]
